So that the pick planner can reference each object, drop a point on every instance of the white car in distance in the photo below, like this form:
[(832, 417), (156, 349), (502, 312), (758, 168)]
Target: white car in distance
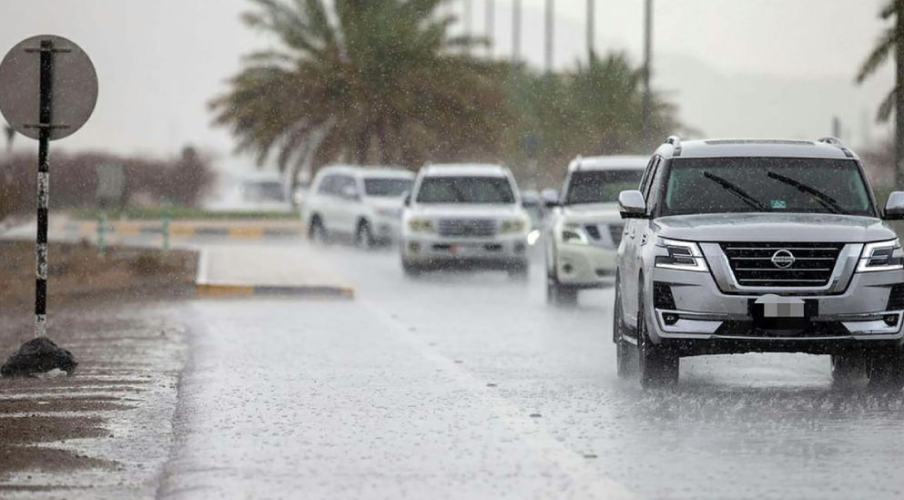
[(359, 203), (585, 227), (465, 215)]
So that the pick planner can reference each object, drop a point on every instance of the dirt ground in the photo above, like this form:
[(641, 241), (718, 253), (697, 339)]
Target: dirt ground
[(61, 437)]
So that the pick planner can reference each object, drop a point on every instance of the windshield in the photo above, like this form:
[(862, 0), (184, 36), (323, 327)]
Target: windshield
[(477, 190), (601, 186), (791, 185), (387, 187)]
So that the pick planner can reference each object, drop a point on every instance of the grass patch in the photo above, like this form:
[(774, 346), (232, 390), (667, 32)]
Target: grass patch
[(184, 213)]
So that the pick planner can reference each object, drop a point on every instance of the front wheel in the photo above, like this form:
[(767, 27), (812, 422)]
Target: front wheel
[(317, 232), (848, 368), (658, 367), (886, 370), (558, 294), (364, 237), (626, 354)]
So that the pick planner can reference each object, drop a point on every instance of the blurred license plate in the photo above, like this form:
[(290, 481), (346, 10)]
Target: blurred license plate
[(462, 249)]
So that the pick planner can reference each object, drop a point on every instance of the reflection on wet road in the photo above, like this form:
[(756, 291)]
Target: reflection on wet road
[(470, 386)]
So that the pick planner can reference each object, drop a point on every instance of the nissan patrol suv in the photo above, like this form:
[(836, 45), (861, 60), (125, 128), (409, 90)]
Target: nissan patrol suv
[(735, 246)]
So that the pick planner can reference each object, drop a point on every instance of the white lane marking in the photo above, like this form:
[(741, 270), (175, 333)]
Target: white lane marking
[(591, 479)]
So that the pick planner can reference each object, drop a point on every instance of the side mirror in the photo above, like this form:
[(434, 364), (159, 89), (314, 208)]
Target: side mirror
[(894, 207), (349, 193), (551, 204), (631, 205)]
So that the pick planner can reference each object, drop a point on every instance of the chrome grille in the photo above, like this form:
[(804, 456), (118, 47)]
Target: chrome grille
[(756, 264), (467, 228)]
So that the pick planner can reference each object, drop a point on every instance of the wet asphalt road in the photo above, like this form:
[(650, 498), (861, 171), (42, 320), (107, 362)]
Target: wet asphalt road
[(470, 386)]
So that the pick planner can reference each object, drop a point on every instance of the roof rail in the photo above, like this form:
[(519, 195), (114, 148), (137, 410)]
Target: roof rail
[(834, 141), (675, 141)]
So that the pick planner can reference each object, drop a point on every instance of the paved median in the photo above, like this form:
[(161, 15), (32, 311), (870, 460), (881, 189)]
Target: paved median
[(292, 272)]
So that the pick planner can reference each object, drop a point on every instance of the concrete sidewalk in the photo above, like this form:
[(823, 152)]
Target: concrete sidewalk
[(294, 270)]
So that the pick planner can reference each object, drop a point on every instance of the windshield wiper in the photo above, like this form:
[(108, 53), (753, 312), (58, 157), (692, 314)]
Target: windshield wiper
[(824, 199), (735, 190)]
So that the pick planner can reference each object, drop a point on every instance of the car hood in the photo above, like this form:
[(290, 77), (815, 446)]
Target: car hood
[(592, 212), (774, 228), (464, 210)]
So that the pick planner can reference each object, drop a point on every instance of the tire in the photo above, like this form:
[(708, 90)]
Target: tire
[(559, 295), (848, 368), (411, 270), (626, 354), (519, 271), (886, 370), (317, 233), (657, 367), (364, 237)]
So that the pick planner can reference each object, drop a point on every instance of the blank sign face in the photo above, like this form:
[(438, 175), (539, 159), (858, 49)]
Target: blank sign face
[(74, 87)]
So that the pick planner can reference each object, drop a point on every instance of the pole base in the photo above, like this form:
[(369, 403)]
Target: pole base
[(37, 356)]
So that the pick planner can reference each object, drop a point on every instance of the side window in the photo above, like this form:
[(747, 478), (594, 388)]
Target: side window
[(656, 186), (327, 185), (343, 182), (648, 177)]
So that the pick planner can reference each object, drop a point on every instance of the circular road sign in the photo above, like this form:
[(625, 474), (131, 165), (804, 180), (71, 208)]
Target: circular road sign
[(74, 87)]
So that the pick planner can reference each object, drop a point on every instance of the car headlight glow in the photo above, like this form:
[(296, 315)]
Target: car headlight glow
[(881, 256), (682, 255), (574, 234), (512, 226), (421, 226)]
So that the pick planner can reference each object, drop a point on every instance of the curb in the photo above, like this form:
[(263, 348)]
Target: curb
[(205, 289), (220, 290)]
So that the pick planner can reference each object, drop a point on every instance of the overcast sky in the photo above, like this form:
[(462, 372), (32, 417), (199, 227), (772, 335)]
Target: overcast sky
[(160, 61)]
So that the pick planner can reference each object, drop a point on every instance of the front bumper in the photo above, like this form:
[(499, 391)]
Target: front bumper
[(585, 266), (692, 313), (428, 249)]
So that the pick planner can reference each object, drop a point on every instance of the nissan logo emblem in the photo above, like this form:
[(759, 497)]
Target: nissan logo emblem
[(783, 259)]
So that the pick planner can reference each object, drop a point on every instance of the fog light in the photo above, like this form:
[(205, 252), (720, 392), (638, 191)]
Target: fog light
[(567, 268), (520, 248), (414, 247), (670, 318), (890, 319)]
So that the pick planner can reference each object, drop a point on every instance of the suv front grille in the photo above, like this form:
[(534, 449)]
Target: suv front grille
[(782, 265), (467, 228)]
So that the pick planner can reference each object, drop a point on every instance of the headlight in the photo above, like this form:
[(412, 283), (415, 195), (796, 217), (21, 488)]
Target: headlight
[(512, 226), (881, 256), (574, 234), (682, 255), (421, 226)]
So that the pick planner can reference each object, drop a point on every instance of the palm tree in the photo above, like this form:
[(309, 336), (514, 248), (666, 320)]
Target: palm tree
[(891, 42), (361, 81)]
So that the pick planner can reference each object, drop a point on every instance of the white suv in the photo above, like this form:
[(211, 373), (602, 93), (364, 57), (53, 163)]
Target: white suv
[(585, 226), (465, 215), (364, 203)]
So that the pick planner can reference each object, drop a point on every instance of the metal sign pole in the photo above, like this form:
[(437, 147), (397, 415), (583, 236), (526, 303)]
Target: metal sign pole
[(45, 122)]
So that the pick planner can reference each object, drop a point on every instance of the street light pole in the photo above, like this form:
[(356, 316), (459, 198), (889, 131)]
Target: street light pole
[(647, 73), (550, 33), (591, 28), (516, 32), (490, 20), (467, 22)]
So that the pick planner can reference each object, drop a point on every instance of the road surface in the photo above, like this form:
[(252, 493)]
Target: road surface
[(470, 386)]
